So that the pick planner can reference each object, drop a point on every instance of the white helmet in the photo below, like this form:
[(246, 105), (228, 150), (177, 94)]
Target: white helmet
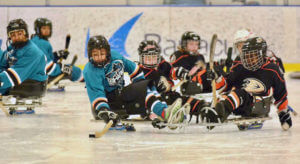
[(242, 35)]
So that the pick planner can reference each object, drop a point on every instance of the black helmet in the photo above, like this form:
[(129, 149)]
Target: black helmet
[(253, 53), (17, 24), (189, 36), (98, 42), (38, 23), (149, 48)]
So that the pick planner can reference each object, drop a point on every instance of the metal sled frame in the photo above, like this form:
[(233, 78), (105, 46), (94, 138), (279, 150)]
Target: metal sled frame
[(10, 103), (233, 121)]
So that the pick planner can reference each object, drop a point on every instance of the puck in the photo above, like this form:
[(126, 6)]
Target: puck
[(92, 136)]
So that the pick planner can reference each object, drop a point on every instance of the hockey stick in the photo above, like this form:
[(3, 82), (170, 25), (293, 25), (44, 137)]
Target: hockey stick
[(103, 131), (68, 39), (211, 66), (63, 74), (178, 85), (227, 63)]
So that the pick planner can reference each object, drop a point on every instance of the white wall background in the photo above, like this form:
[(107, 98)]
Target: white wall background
[(280, 26)]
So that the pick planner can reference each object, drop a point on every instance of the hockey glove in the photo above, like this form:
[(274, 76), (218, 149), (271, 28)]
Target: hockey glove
[(61, 54), (210, 75), (285, 119), (163, 85), (67, 69), (183, 74), (106, 116), (215, 73)]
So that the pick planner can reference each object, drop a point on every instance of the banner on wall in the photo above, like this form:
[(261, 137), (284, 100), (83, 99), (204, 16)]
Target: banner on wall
[(126, 27)]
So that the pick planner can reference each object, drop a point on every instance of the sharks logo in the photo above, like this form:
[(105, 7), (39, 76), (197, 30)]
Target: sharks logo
[(10, 58), (115, 76), (253, 85)]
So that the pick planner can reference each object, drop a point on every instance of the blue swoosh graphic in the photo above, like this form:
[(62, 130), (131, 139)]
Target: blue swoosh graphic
[(118, 40), (0, 43), (86, 43)]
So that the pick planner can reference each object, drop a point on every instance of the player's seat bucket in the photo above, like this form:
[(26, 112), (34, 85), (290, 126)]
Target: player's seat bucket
[(29, 88)]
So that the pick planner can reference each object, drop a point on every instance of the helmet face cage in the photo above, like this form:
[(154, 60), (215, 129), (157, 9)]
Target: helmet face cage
[(149, 54), (189, 36), (39, 23), (253, 53), (98, 42), (15, 25), (150, 59)]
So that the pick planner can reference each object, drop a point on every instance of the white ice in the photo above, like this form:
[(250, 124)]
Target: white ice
[(58, 133)]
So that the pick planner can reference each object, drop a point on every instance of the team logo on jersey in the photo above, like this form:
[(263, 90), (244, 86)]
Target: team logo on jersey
[(115, 76), (10, 58), (253, 85)]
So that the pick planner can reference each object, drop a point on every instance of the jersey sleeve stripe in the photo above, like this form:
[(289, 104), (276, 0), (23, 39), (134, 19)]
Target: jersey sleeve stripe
[(52, 69), (136, 70), (14, 76), (10, 80), (282, 80), (49, 66), (98, 100)]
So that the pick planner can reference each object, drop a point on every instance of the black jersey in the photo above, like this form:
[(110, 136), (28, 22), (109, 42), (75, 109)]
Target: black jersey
[(185, 60), (163, 69), (269, 76)]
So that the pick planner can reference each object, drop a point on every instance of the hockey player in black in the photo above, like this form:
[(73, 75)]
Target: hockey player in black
[(162, 73), (239, 39), (189, 58), (250, 86)]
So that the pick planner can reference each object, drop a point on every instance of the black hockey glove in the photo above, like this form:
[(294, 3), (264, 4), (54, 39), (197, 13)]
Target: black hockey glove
[(214, 74), (67, 69), (106, 116), (163, 85), (285, 119), (210, 75), (61, 54), (183, 74)]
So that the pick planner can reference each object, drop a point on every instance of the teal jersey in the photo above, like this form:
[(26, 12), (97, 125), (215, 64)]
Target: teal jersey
[(3, 61), (100, 81), (52, 68), (25, 63)]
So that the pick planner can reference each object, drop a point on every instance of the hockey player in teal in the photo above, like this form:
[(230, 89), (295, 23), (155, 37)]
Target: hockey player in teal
[(109, 97), (43, 31), (23, 61)]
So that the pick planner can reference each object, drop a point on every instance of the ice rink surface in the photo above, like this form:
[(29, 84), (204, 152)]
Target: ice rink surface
[(58, 133)]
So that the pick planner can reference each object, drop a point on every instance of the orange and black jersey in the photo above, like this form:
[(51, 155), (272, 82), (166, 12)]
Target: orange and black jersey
[(163, 69), (268, 75), (185, 60)]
